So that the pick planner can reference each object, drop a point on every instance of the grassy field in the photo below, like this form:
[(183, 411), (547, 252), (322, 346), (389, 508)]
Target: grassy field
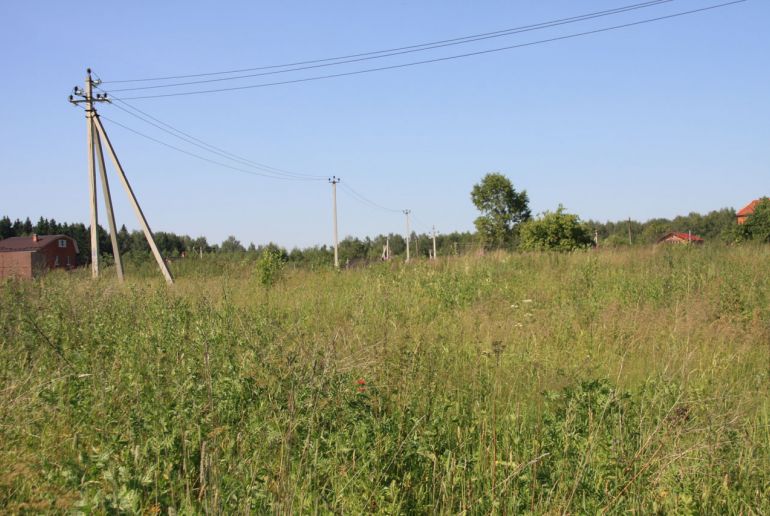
[(632, 381)]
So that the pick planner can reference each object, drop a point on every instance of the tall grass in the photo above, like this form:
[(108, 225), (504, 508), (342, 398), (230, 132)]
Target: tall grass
[(600, 382)]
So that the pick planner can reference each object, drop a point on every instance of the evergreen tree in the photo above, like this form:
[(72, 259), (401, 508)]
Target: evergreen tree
[(27, 228), (6, 228), (124, 239)]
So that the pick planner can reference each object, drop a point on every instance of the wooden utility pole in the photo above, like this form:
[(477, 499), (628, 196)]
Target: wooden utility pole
[(96, 134), (408, 233), (434, 242), (334, 180)]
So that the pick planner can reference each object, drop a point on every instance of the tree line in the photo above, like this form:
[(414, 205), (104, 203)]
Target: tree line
[(505, 222), (133, 245)]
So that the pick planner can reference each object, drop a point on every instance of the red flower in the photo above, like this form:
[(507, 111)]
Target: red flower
[(361, 381)]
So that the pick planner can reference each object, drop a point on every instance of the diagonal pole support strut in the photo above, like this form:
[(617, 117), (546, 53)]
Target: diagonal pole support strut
[(134, 203)]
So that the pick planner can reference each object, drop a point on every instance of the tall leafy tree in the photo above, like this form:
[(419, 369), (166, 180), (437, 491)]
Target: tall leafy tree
[(502, 209)]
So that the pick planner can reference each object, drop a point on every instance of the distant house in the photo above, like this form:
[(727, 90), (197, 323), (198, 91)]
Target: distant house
[(680, 238), (747, 210), (28, 257)]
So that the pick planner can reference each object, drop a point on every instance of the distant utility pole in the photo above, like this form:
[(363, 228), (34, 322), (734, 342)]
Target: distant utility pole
[(334, 180), (434, 242), (96, 134), (408, 233), (630, 242)]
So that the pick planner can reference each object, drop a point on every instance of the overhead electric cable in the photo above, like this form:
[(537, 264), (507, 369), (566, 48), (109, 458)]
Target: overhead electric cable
[(459, 39), (197, 156), (382, 54), (362, 199), (425, 227), (441, 59), (167, 128), (355, 194)]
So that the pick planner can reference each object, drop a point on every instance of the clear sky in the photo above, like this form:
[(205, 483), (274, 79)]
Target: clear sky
[(653, 120)]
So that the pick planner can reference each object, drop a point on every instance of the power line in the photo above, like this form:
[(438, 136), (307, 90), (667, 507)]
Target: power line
[(188, 138), (441, 59), (354, 193), (198, 156), (422, 224), (389, 53), (430, 44), (364, 200)]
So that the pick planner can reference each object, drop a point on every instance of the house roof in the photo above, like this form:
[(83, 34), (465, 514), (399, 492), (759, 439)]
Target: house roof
[(28, 243), (748, 209), (683, 236)]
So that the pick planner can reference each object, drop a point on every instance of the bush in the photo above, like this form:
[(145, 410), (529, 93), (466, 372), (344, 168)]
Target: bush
[(270, 267), (757, 225), (555, 231)]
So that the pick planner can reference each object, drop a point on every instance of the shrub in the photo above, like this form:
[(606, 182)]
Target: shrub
[(555, 231)]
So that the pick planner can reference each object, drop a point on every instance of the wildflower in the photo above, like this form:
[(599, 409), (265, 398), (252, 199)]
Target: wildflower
[(527, 314), (514, 305), (361, 385)]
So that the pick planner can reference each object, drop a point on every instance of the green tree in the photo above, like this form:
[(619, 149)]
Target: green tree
[(231, 245), (27, 228), (555, 231), (656, 228), (502, 210), (757, 225), (6, 228), (124, 239)]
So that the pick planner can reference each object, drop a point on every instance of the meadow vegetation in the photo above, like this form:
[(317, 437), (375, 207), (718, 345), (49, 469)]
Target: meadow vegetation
[(590, 382)]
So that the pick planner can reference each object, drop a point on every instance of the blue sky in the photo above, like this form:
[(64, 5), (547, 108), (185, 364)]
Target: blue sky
[(654, 120)]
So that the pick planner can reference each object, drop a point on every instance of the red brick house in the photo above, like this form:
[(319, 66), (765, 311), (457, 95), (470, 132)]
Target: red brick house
[(28, 257), (680, 238), (747, 210)]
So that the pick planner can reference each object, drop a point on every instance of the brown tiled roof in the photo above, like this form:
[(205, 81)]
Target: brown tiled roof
[(28, 244)]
